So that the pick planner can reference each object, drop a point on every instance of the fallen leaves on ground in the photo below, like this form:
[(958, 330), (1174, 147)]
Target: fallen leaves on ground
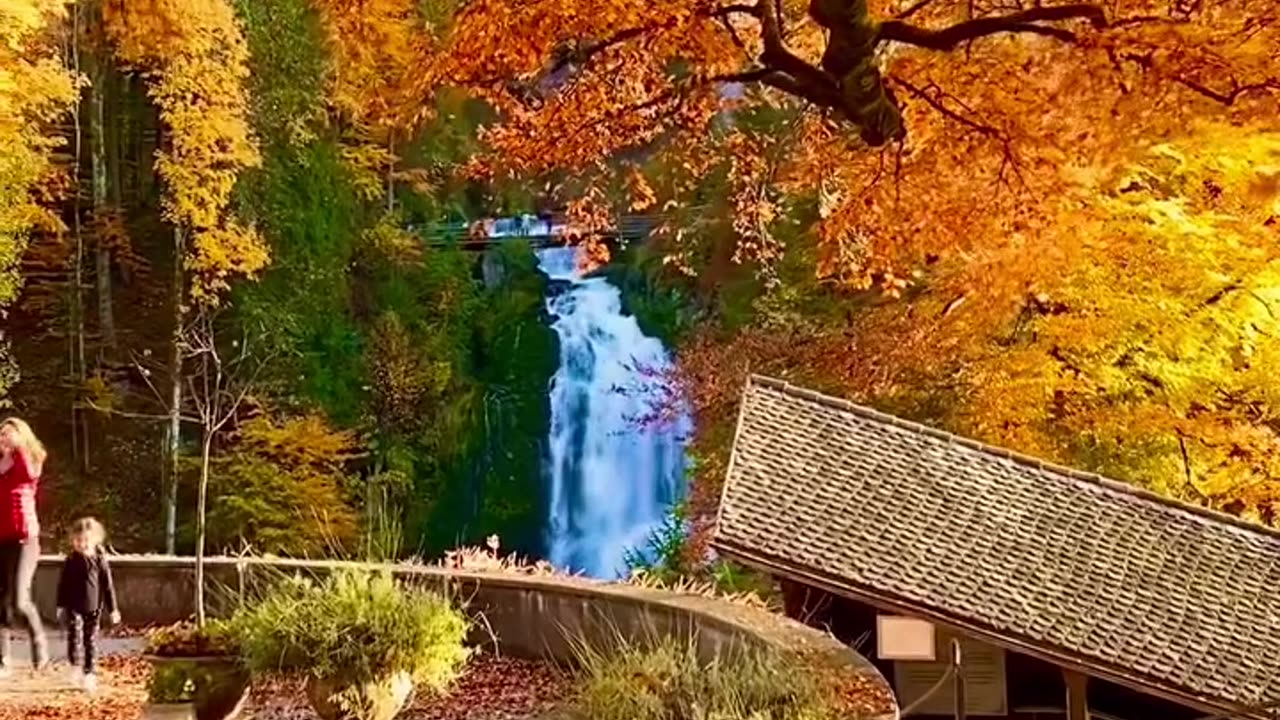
[(48, 696), (492, 688)]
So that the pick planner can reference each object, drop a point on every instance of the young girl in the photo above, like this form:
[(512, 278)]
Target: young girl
[(85, 592)]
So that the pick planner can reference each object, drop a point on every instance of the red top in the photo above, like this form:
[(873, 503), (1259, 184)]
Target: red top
[(18, 501)]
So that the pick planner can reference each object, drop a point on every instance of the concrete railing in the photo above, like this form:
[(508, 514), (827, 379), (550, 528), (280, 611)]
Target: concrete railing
[(529, 616)]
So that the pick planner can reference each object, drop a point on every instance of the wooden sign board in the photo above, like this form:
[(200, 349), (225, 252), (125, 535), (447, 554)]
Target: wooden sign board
[(899, 637)]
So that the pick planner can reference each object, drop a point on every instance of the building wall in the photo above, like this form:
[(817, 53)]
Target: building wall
[(1034, 689)]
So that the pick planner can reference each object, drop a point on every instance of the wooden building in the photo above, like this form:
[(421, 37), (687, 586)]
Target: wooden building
[(1069, 595)]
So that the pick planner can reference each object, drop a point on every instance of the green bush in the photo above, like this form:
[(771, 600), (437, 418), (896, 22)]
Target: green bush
[(666, 681), (355, 626)]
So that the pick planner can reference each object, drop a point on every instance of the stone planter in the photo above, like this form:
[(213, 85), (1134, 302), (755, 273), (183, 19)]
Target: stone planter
[(379, 700), (219, 686), (169, 711)]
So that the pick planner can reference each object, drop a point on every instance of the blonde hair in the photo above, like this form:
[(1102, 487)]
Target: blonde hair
[(90, 526), (27, 442)]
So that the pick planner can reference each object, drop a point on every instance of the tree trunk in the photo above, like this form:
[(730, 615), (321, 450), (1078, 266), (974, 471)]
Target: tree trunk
[(77, 275), (175, 397), (117, 136), (98, 141), (205, 449)]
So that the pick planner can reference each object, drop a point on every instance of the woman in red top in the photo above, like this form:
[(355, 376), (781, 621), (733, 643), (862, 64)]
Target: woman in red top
[(21, 460)]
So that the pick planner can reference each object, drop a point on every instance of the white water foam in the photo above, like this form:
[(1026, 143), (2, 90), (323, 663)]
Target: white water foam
[(611, 479)]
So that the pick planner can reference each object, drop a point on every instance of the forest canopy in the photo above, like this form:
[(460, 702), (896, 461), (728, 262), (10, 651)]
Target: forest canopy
[(1054, 227)]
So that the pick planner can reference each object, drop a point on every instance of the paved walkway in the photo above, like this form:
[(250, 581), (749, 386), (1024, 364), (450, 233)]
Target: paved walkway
[(25, 684)]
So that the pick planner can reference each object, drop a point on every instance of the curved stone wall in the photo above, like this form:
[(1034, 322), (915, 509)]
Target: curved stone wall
[(523, 615)]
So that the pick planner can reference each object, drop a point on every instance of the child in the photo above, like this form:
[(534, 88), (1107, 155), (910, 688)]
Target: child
[(85, 591)]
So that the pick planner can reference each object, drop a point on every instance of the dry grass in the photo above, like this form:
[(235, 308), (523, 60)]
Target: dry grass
[(665, 679), (700, 588)]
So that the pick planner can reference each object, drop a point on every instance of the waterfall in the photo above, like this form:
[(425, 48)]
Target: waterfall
[(610, 480)]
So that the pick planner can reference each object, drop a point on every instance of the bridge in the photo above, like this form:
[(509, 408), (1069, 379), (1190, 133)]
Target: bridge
[(538, 230)]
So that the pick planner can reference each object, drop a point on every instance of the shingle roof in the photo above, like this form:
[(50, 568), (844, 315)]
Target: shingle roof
[(1121, 582)]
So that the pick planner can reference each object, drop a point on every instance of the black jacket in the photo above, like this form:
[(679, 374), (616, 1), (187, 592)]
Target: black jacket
[(86, 586)]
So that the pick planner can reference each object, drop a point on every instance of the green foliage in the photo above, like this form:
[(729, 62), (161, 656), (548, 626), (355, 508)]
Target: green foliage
[(304, 204), (407, 377), (665, 680), (288, 67), (663, 555), (380, 332), (490, 478), (355, 626), (281, 488), (663, 308), (302, 201)]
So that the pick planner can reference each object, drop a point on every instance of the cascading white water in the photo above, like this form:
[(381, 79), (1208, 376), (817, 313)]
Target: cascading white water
[(611, 480)]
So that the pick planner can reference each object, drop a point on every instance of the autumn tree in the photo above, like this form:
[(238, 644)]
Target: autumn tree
[(382, 83), (900, 114), (196, 60), (36, 89), (935, 204), (282, 487)]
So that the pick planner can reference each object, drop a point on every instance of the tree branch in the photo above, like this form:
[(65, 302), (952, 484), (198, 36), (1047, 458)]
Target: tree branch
[(810, 83), (1235, 93), (1020, 22), (584, 54), (1009, 159), (136, 415)]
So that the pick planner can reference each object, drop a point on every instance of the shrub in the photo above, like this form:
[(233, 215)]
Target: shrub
[(280, 487), (356, 626), (666, 681)]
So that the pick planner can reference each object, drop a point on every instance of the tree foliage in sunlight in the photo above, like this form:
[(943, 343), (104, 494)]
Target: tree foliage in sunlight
[(1149, 313), (381, 53), (196, 55), (932, 207), (903, 121), (1142, 341), (282, 487), (35, 91)]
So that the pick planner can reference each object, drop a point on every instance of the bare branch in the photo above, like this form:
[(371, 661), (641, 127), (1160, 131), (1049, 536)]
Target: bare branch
[(1009, 159), (1235, 93), (1020, 22), (134, 415), (146, 377)]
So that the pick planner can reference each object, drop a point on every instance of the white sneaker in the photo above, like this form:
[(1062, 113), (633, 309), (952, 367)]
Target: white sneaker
[(91, 683), (75, 677)]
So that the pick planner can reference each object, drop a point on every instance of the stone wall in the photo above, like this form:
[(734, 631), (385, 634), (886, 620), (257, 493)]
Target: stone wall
[(523, 615)]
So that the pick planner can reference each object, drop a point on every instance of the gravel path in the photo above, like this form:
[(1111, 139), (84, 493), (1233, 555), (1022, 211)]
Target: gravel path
[(492, 688)]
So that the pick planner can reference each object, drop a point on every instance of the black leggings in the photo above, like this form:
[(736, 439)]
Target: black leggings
[(82, 635), (18, 561)]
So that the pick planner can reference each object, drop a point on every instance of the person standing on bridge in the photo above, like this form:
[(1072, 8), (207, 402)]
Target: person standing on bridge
[(21, 461)]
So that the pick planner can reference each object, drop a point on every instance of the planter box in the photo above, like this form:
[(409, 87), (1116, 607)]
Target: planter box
[(169, 711), (220, 685)]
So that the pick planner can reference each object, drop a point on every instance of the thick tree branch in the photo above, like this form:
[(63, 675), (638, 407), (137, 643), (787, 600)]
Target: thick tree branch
[(1025, 21), (811, 83)]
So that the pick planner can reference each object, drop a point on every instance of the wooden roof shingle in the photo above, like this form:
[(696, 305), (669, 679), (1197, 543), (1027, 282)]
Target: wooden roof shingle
[(1098, 575)]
